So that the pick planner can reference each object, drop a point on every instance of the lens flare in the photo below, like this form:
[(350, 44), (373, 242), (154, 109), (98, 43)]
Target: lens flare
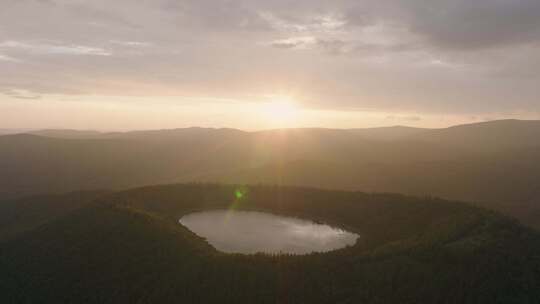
[(239, 194)]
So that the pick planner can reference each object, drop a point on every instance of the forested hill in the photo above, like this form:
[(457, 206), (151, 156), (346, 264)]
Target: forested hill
[(128, 247), (494, 164)]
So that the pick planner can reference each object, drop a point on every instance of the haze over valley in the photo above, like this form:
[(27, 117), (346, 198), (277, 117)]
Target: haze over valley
[(493, 164)]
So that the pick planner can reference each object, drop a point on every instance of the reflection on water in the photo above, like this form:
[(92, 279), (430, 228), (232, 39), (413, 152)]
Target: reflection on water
[(251, 232)]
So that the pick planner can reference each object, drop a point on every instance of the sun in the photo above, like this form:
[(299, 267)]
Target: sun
[(282, 111)]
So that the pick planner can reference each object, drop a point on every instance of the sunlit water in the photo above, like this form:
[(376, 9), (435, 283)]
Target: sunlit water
[(252, 232)]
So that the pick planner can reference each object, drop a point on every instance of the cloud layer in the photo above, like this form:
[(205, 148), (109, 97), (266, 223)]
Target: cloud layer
[(426, 56)]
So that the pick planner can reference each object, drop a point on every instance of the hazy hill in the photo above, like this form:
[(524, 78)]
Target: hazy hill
[(166, 134), (21, 215), (496, 164), (487, 137), (65, 133), (129, 248), (490, 135), (13, 131), (388, 133)]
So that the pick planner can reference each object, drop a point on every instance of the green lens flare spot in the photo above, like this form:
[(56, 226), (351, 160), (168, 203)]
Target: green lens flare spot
[(240, 193)]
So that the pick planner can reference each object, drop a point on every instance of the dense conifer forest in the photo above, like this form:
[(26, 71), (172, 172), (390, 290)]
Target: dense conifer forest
[(128, 247)]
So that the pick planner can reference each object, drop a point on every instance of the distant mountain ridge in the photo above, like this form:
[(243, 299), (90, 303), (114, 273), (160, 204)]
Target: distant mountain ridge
[(395, 130), (14, 131), (495, 164)]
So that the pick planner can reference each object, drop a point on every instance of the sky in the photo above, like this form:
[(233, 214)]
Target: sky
[(153, 64)]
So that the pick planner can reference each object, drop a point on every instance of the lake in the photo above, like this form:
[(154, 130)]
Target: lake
[(251, 232)]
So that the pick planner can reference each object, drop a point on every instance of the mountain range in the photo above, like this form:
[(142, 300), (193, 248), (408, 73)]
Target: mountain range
[(493, 164)]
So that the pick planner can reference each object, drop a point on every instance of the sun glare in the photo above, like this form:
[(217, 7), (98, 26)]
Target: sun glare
[(282, 111)]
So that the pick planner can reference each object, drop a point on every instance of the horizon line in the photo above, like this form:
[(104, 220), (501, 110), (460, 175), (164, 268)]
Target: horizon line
[(30, 130)]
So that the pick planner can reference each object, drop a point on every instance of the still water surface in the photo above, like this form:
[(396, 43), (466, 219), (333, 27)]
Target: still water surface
[(252, 232)]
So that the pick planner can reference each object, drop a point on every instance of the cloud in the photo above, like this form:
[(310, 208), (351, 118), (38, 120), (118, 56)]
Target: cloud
[(457, 24), (21, 94), (325, 23), (7, 58), (214, 15), (134, 44), (54, 49), (294, 43), (481, 24), (329, 46), (415, 56), (410, 118)]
